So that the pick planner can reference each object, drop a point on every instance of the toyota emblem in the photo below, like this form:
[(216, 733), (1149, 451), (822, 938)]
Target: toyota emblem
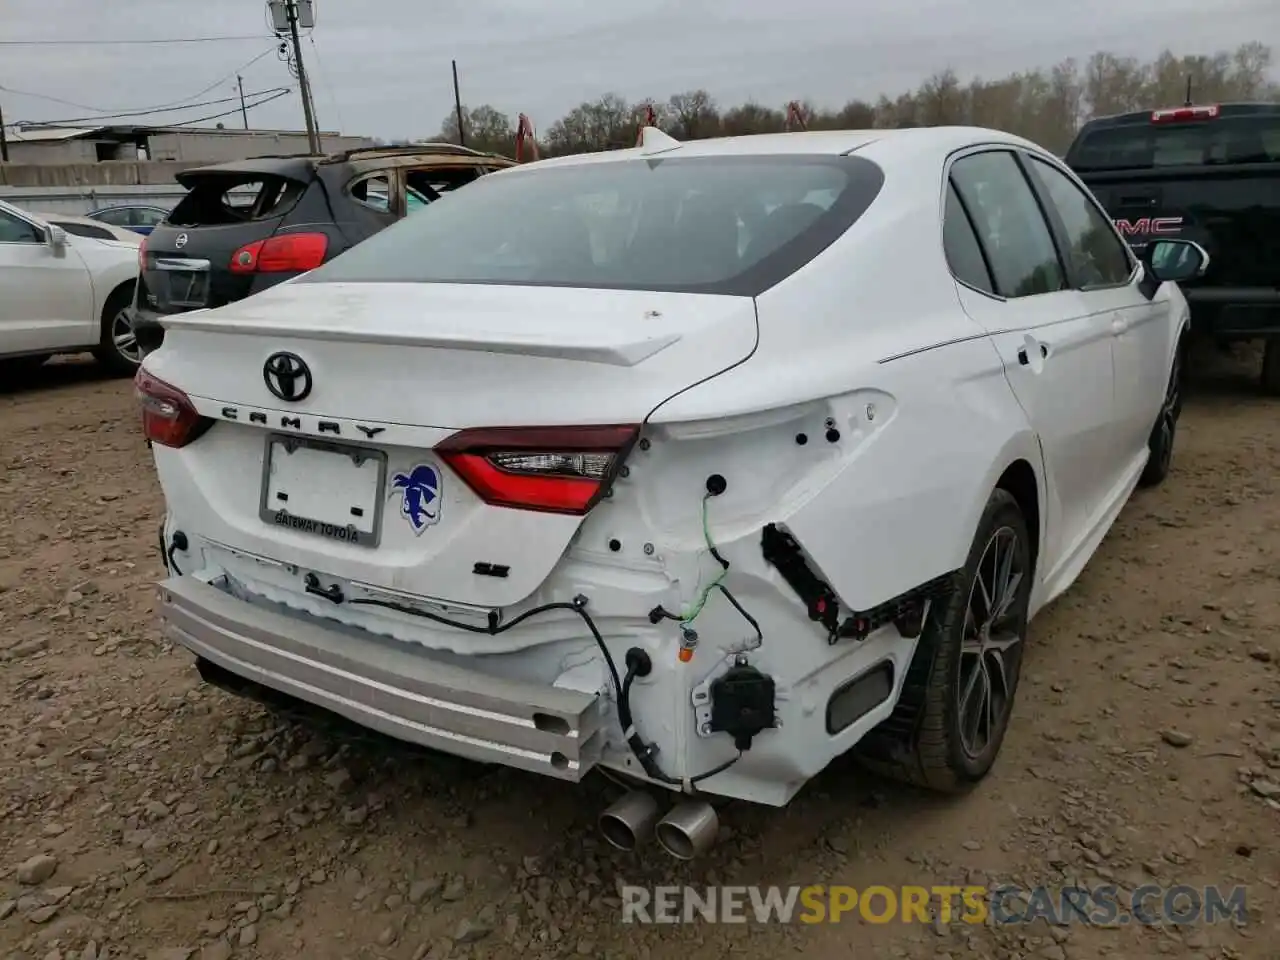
[(287, 376), (181, 241)]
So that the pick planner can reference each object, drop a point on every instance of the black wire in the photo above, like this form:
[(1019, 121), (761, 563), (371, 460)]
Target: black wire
[(173, 564), (147, 113), (105, 43), (105, 112), (493, 628)]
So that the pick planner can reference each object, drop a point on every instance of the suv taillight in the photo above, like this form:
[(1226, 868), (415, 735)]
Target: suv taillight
[(1185, 114), (287, 253), (168, 416), (142, 255), (548, 469)]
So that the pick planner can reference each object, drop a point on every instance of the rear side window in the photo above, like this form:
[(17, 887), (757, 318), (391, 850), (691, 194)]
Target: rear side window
[(729, 225), (964, 255), (1009, 224), (222, 199), (1145, 145), (1098, 257)]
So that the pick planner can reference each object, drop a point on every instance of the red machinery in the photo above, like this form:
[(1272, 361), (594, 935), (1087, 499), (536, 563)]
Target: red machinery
[(650, 120), (525, 134), (795, 117)]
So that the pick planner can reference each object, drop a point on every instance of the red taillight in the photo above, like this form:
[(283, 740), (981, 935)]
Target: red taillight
[(142, 255), (168, 416), (1185, 114), (288, 253), (550, 469)]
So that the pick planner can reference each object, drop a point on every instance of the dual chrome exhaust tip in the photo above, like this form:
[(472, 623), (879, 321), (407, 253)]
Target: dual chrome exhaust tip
[(688, 830)]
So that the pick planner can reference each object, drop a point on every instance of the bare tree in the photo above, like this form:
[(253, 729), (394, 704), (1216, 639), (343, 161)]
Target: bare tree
[(1046, 106), (487, 129), (752, 118), (604, 124), (693, 115)]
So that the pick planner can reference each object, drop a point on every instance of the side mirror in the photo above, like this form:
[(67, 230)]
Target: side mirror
[(1175, 260), (57, 239)]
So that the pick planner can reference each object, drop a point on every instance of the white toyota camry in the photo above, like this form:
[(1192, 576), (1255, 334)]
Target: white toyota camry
[(701, 463)]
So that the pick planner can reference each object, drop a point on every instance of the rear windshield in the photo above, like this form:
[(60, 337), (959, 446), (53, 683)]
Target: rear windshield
[(731, 225), (1254, 139), (221, 199)]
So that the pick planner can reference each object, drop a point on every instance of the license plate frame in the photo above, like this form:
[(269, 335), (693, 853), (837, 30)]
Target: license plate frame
[(325, 529)]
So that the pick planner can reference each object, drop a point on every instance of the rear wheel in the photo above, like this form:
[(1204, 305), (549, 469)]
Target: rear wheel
[(1163, 434), (118, 348), (960, 687), (1271, 367)]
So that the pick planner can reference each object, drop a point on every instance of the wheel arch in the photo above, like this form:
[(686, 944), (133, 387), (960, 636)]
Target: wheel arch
[(125, 287), (1020, 481)]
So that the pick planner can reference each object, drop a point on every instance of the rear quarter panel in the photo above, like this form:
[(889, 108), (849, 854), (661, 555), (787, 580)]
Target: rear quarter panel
[(872, 332)]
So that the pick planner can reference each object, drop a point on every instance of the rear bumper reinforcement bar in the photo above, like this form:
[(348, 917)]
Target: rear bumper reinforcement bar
[(387, 685)]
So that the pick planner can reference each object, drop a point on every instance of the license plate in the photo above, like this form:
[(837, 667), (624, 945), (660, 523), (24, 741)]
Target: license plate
[(188, 288), (331, 490)]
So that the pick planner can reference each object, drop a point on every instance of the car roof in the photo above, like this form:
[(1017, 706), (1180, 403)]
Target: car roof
[(301, 167), (878, 145)]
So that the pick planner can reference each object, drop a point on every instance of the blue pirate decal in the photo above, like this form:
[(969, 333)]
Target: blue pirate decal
[(419, 491)]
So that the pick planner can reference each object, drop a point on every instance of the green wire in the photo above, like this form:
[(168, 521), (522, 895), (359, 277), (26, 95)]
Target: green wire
[(706, 591)]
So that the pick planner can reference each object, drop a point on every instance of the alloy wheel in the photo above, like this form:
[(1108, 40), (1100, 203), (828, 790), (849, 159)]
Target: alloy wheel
[(124, 339), (991, 643)]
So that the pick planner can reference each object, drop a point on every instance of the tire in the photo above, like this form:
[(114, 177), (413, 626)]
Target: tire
[(118, 348), (934, 751), (1271, 367), (1165, 432)]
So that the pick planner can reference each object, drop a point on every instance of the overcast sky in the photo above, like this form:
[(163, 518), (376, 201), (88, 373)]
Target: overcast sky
[(382, 69)]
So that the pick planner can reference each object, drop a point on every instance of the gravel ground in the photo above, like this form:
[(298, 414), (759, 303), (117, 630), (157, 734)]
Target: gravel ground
[(143, 814)]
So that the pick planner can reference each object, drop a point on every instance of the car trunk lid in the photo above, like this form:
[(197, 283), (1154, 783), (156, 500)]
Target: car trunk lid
[(407, 385)]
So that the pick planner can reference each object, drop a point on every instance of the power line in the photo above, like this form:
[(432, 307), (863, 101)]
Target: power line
[(111, 43), (328, 85), (107, 113), (144, 113), (284, 91)]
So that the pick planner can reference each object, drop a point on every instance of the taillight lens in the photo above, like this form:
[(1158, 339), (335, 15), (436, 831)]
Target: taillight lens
[(168, 416), (549, 469), (288, 253), (142, 255), (1185, 114)]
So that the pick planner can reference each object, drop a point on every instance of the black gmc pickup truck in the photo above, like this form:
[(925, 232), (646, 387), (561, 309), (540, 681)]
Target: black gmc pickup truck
[(1209, 174)]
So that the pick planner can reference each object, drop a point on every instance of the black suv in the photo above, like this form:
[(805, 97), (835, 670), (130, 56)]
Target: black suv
[(1208, 173), (248, 225)]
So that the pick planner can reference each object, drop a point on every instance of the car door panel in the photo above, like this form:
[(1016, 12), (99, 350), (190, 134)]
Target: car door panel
[(1057, 359), (1057, 354), (46, 298), (1107, 275)]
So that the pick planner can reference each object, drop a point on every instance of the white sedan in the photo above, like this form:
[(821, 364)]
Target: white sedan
[(66, 285), (702, 463)]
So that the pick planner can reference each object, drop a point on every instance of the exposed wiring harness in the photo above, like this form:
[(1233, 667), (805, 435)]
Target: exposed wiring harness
[(686, 619), (638, 665)]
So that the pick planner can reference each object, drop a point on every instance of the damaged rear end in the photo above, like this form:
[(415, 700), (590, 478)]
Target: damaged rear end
[(440, 486)]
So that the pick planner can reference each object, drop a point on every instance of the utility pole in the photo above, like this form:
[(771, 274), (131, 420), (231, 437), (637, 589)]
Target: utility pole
[(243, 112), (4, 140), (457, 103), (286, 17)]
